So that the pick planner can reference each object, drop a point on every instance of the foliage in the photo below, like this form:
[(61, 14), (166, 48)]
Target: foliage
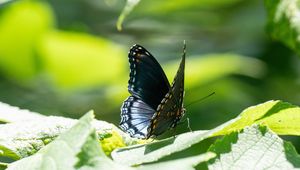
[(255, 147), (78, 148), (71, 145)]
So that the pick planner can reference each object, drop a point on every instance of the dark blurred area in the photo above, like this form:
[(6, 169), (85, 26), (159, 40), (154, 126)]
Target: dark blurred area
[(65, 58)]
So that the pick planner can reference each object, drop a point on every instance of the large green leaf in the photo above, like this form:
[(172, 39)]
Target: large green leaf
[(283, 22), (254, 148), (65, 151)]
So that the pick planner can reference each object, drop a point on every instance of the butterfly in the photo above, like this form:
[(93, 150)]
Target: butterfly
[(154, 105)]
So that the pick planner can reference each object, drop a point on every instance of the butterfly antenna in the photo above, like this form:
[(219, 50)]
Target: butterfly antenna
[(199, 100)]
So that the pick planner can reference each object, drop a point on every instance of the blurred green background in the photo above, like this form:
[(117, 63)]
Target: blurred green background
[(67, 57)]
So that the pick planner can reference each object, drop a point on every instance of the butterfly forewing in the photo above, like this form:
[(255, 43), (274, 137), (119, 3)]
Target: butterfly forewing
[(147, 79), (178, 83), (169, 111)]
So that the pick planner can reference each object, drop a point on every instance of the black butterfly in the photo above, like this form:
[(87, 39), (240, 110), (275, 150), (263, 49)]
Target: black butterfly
[(154, 105)]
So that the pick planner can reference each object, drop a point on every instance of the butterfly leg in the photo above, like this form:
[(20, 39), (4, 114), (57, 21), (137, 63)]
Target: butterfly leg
[(188, 124), (153, 139)]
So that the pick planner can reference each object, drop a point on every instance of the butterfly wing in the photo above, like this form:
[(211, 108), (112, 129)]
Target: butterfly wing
[(148, 85), (135, 117), (148, 81), (169, 111)]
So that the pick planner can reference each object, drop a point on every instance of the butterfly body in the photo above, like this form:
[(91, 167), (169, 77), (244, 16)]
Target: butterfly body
[(154, 105)]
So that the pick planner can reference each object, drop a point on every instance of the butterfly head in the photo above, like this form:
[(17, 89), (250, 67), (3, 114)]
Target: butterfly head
[(183, 110)]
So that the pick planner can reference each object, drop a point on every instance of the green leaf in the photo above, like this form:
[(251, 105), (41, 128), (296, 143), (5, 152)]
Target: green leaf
[(151, 152), (130, 4), (61, 153), (184, 163), (283, 118), (3, 166), (22, 139), (283, 22), (254, 148), (102, 162)]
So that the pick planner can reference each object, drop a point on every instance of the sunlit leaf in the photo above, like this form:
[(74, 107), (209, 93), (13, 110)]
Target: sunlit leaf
[(22, 139), (283, 22), (254, 148), (281, 117), (64, 152)]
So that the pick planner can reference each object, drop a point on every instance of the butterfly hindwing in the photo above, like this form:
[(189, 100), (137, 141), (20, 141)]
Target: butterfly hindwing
[(147, 79), (135, 117)]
